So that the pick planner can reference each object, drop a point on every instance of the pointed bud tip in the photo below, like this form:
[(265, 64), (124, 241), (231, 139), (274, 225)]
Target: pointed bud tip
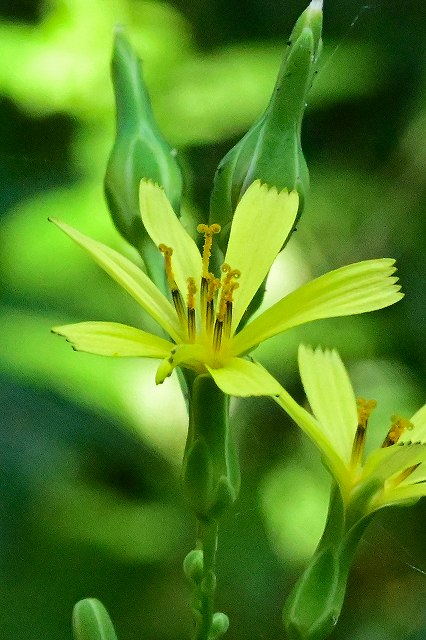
[(119, 31), (316, 5)]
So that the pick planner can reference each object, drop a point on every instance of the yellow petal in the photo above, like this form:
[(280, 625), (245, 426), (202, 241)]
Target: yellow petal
[(388, 462), (262, 221), (314, 431), (417, 476), (243, 378), (113, 339), (164, 227), (191, 356), (130, 277), (331, 397), (356, 288), (418, 434), (403, 494)]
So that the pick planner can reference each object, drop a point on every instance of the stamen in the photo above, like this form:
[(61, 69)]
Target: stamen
[(209, 284), (402, 476), (391, 483), (230, 273), (208, 231), (191, 324), (365, 408), (203, 297), (179, 306), (399, 425), (167, 253), (228, 287), (224, 312), (213, 287), (192, 290), (217, 334), (228, 319), (228, 308), (176, 295)]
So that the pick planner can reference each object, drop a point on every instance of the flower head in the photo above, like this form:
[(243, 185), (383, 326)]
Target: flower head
[(203, 311), (394, 473)]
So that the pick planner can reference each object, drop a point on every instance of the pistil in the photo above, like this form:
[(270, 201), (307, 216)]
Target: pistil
[(208, 231)]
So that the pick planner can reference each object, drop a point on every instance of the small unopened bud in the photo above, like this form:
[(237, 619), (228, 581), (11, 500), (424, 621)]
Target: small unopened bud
[(139, 150), (271, 150), (313, 608)]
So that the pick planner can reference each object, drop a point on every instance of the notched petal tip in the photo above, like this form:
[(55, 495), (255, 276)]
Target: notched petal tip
[(150, 183), (318, 352), (265, 187), (389, 261), (58, 331), (149, 188)]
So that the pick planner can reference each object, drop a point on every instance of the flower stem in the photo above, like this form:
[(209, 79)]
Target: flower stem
[(207, 541), (210, 482)]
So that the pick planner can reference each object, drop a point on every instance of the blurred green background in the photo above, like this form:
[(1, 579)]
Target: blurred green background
[(89, 448)]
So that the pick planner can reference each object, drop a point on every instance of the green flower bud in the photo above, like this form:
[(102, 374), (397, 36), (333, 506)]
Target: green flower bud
[(271, 150), (314, 605), (139, 150), (211, 476), (90, 621)]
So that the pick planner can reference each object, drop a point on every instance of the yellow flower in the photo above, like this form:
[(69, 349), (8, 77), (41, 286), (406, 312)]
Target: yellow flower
[(204, 309), (394, 473)]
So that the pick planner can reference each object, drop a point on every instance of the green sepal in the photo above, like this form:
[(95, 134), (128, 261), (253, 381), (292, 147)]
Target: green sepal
[(359, 505), (211, 475), (139, 150), (315, 603), (90, 621), (271, 150)]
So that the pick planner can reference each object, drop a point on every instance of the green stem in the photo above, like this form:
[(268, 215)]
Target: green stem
[(210, 481), (207, 540)]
